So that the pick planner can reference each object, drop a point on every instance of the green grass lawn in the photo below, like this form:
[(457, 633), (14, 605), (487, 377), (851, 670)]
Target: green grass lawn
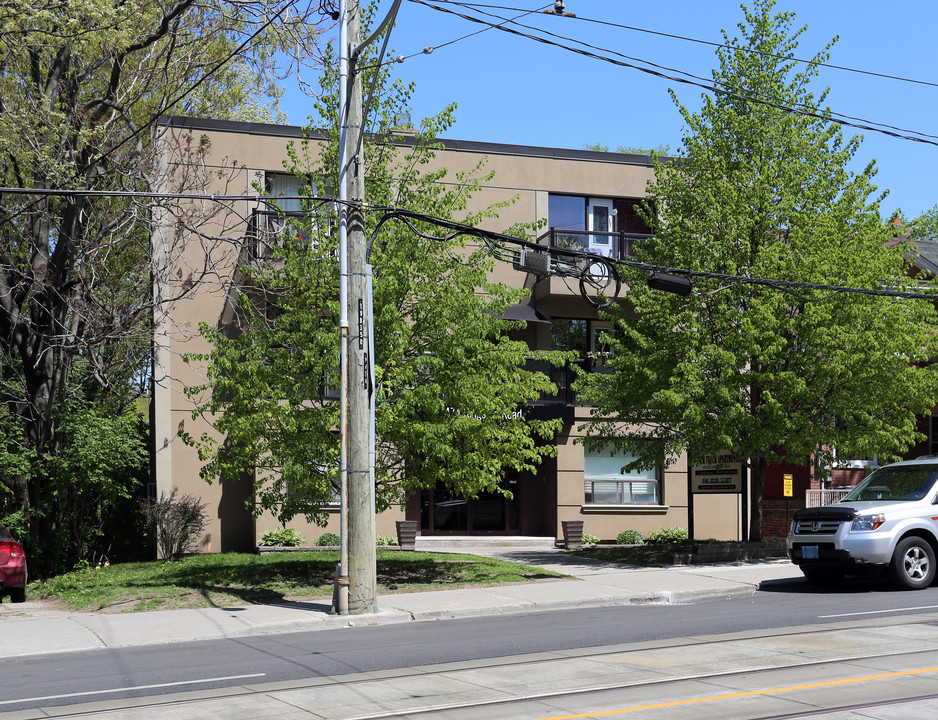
[(221, 580)]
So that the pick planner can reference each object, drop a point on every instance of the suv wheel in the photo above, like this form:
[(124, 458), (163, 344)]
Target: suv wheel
[(17, 595), (913, 564)]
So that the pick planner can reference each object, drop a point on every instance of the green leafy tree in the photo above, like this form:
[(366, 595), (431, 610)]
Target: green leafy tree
[(762, 191), (925, 227), (660, 149), (80, 82), (450, 382)]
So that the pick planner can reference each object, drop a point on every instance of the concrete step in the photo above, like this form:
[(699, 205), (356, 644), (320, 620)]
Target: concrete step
[(429, 543)]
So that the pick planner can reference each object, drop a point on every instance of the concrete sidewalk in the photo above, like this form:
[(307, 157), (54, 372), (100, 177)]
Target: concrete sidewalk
[(32, 628)]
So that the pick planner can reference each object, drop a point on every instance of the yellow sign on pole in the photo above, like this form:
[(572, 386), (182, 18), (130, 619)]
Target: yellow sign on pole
[(787, 479)]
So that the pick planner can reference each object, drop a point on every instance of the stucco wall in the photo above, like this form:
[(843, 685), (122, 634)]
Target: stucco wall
[(238, 156)]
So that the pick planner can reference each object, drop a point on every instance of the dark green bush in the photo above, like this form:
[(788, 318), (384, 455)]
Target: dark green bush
[(328, 539), (667, 535), (282, 537), (629, 537)]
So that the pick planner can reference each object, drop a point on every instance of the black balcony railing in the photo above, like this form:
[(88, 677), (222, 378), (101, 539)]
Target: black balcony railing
[(616, 245), (564, 376), (267, 230)]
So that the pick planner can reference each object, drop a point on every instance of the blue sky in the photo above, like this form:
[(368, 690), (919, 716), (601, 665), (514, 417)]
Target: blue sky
[(511, 89)]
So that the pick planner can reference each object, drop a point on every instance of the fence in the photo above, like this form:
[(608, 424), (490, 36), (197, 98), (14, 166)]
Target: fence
[(817, 498)]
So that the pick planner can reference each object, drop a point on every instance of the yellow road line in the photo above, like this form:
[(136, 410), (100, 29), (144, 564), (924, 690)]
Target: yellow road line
[(748, 693)]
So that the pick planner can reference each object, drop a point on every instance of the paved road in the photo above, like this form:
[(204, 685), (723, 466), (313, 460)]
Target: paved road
[(799, 671), (419, 660)]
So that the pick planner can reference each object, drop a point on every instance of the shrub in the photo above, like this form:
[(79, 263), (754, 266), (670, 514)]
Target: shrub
[(282, 537), (629, 537), (328, 539), (667, 535), (16, 523), (382, 541), (590, 539), (176, 522)]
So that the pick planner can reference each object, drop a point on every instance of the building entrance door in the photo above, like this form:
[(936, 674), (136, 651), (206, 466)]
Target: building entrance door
[(442, 512)]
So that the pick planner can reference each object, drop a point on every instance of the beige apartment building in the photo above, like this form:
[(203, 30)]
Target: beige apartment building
[(585, 195)]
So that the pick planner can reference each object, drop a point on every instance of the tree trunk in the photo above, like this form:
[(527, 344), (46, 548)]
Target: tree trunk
[(757, 494)]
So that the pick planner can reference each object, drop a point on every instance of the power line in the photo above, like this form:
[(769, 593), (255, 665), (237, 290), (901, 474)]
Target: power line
[(179, 98), (707, 81), (710, 43), (827, 115), (428, 50), (580, 263), (495, 242)]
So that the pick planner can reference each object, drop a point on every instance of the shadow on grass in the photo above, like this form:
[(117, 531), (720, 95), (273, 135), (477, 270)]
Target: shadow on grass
[(406, 570), (657, 555), (222, 580)]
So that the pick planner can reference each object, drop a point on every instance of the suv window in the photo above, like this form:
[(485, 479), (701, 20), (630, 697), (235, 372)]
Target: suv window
[(896, 482)]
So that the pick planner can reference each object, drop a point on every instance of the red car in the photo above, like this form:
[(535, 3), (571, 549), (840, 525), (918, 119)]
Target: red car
[(12, 568)]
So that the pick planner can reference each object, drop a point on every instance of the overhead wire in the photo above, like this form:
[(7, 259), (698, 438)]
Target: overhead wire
[(699, 78), (710, 43), (179, 98), (495, 242), (826, 115), (429, 49)]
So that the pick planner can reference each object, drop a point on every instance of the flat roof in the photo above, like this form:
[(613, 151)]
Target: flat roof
[(489, 148)]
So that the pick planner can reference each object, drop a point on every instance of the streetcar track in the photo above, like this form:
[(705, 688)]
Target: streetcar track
[(848, 708), (446, 669)]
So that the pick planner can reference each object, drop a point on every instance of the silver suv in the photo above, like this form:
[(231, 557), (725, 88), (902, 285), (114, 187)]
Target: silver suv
[(889, 522)]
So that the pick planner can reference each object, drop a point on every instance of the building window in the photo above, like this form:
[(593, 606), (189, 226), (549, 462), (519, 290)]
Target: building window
[(585, 337), (281, 186), (580, 213), (606, 484), (569, 334), (311, 482), (566, 212)]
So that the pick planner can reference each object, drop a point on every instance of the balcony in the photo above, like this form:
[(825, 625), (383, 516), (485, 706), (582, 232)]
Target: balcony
[(613, 245), (562, 402), (617, 245), (562, 377), (266, 230)]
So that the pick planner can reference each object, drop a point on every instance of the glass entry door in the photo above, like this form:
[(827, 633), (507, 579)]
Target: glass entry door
[(442, 512)]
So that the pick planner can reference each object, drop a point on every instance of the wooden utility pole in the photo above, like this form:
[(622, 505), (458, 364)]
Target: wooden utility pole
[(358, 502)]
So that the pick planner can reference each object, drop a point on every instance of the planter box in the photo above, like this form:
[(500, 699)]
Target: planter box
[(572, 534), (731, 552), (407, 534)]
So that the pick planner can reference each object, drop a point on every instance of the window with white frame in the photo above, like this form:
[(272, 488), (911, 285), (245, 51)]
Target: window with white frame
[(607, 484)]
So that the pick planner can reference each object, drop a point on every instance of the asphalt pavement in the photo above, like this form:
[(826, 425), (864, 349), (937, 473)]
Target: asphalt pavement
[(33, 627)]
